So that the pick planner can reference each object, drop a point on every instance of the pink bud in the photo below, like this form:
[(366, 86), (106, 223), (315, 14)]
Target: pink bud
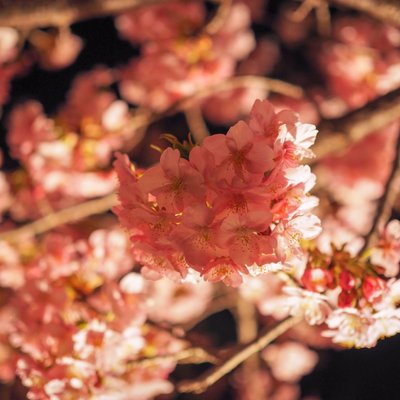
[(373, 288), (317, 279), (347, 298), (346, 280)]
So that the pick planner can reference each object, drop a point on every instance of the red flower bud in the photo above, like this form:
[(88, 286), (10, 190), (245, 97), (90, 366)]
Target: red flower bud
[(373, 288), (317, 279), (347, 298), (346, 280)]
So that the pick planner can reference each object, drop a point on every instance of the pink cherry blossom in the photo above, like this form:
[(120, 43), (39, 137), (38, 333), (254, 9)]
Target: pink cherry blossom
[(290, 361), (386, 253), (230, 209)]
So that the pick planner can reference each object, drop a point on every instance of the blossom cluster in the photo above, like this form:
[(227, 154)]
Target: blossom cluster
[(185, 56), (67, 158), (75, 321), (360, 62), (353, 295), (350, 299), (236, 204)]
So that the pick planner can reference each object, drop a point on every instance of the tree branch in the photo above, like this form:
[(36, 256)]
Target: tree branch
[(190, 355), (61, 217), (214, 374), (219, 18), (235, 82), (29, 14), (383, 10), (197, 125), (336, 134), (386, 202)]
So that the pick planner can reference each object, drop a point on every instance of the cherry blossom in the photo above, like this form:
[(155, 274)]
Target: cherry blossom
[(290, 361), (217, 212)]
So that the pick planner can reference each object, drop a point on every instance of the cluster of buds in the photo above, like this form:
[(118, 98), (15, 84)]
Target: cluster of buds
[(359, 282), (357, 297)]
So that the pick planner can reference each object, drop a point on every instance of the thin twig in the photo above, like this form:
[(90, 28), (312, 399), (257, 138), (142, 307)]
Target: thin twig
[(247, 329), (323, 16), (68, 215), (196, 123), (191, 355), (322, 12), (214, 374), (219, 18), (146, 117), (235, 82), (386, 202)]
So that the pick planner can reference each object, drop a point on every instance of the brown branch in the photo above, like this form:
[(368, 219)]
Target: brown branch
[(191, 355), (247, 329), (219, 18), (322, 12), (214, 374), (336, 134), (235, 82), (29, 14), (383, 10), (197, 125), (62, 217), (146, 117), (386, 202)]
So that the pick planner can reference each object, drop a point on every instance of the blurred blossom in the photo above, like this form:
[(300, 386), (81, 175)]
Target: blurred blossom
[(9, 38), (362, 61), (290, 361), (186, 65), (56, 49)]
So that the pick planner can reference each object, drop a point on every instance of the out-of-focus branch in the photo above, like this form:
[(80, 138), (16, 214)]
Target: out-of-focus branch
[(384, 10), (336, 134), (191, 355), (62, 217), (146, 117), (322, 12), (29, 14), (235, 82), (247, 329), (219, 18), (214, 374), (197, 125), (386, 202)]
